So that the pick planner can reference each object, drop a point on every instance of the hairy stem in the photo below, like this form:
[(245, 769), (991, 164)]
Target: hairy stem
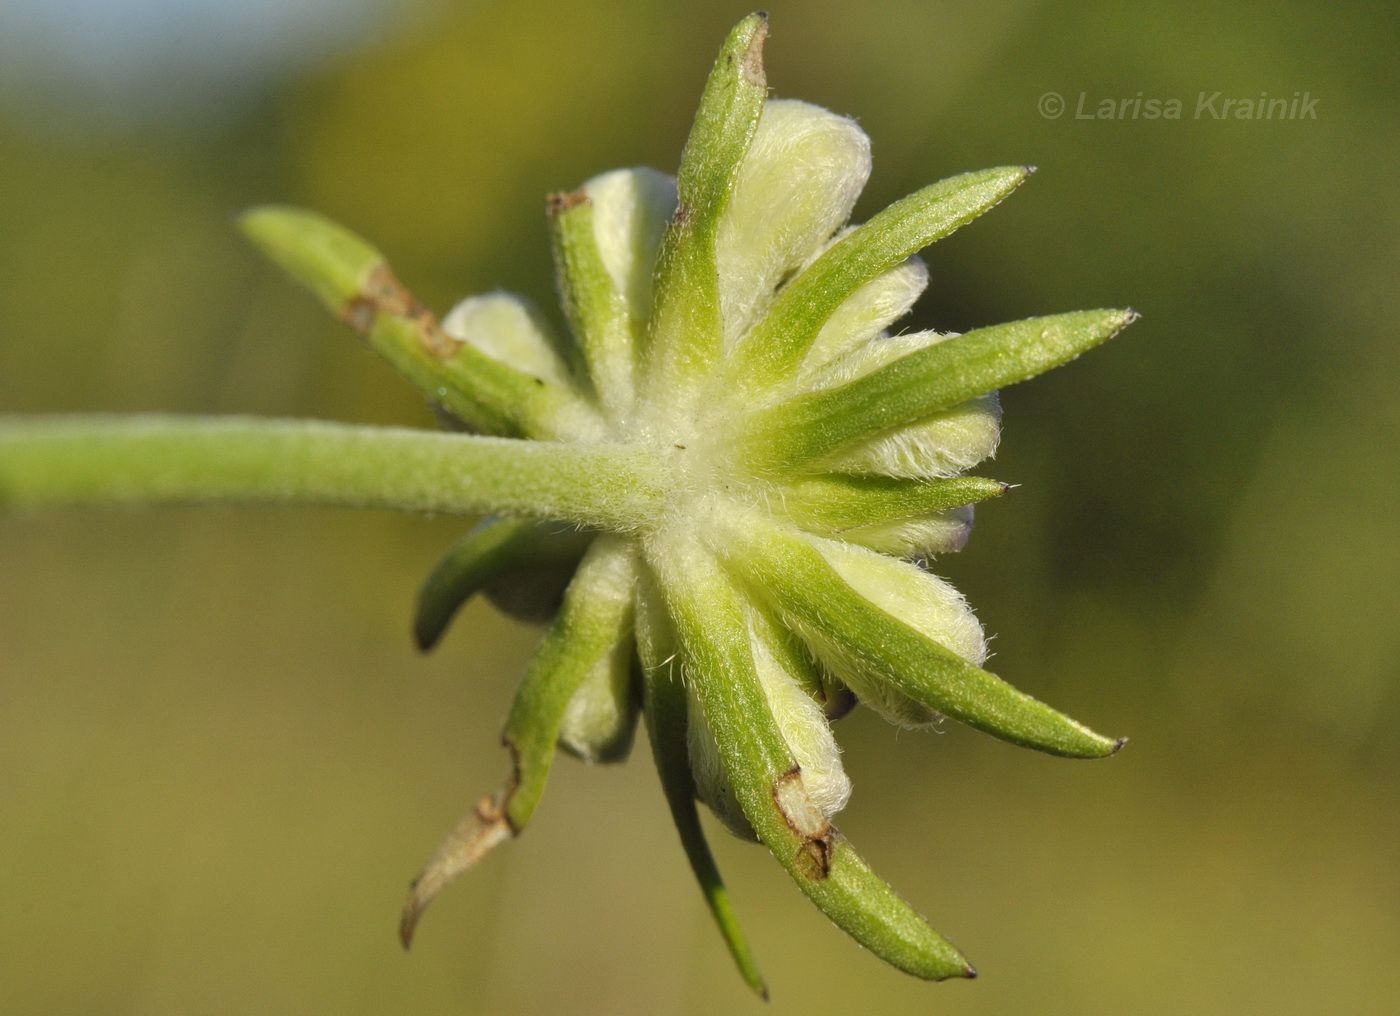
[(101, 460)]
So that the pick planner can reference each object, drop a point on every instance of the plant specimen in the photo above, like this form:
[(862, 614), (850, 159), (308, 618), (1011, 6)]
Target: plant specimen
[(719, 489)]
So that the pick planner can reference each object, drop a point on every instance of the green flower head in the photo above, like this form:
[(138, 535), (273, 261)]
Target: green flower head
[(720, 487)]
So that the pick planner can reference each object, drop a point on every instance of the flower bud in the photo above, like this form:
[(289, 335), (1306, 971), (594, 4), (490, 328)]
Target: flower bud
[(867, 312)]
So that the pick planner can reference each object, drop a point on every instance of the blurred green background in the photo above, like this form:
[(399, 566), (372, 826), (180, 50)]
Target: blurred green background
[(221, 761)]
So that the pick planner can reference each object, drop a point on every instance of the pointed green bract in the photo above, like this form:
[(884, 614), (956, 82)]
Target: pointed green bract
[(734, 467), (776, 345), (832, 502), (354, 281), (596, 614), (684, 335), (717, 657), (484, 393), (925, 382), (664, 704), (494, 549), (325, 257), (810, 593), (597, 312)]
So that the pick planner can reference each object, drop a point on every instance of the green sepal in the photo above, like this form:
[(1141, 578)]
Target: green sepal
[(596, 609), (684, 333), (326, 258), (778, 342), (665, 706), (354, 281), (596, 311), (708, 614), (810, 594), (544, 554), (931, 379), (594, 616), (489, 396), (832, 502)]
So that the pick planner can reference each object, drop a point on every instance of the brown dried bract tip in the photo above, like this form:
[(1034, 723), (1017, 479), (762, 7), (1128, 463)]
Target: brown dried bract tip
[(561, 201), (753, 55), (484, 828), (383, 293)]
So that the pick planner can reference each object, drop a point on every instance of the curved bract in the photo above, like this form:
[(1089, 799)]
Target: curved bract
[(725, 482)]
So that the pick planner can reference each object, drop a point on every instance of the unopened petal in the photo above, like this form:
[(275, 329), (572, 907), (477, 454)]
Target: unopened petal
[(800, 720), (911, 595), (509, 329), (807, 733), (872, 308), (601, 718), (869, 357), (797, 184), (944, 444), (940, 532), (631, 208), (712, 786)]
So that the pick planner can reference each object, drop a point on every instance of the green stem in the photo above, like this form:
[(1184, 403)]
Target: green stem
[(97, 460)]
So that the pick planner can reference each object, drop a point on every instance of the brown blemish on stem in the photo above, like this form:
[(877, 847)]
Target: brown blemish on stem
[(383, 293), (805, 819)]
